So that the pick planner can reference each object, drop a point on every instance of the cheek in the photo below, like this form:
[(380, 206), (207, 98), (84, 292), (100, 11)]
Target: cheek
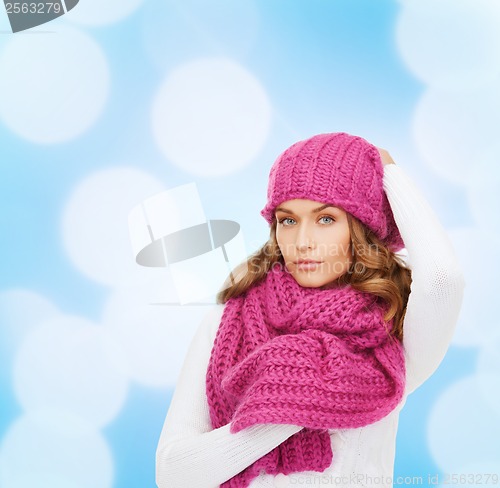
[(347, 248), (347, 243), (345, 239), (278, 238), (280, 245), (340, 247), (282, 241)]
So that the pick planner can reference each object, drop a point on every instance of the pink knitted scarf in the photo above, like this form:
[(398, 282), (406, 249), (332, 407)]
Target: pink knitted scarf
[(314, 357)]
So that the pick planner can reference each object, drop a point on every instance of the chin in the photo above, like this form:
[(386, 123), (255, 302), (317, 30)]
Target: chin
[(311, 281)]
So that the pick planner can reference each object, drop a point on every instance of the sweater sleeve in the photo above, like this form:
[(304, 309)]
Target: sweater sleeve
[(438, 282), (192, 454)]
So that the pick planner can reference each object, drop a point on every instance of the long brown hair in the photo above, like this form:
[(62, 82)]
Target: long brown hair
[(374, 269)]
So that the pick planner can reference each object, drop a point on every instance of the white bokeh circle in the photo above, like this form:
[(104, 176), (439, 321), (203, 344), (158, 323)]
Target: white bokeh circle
[(482, 189), (54, 89), (478, 319), (452, 131), (450, 44), (57, 449), (211, 117), (69, 363), (20, 311), (479, 473), (97, 12), (95, 223), (155, 337), (461, 427)]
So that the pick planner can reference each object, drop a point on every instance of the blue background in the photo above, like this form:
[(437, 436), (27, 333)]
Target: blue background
[(324, 66)]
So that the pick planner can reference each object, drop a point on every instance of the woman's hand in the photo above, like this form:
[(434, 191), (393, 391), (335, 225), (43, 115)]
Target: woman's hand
[(385, 156)]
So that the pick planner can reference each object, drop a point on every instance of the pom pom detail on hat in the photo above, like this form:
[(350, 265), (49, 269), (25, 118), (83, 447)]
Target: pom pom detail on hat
[(337, 168)]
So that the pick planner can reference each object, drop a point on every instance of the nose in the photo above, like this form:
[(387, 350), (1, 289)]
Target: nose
[(304, 240)]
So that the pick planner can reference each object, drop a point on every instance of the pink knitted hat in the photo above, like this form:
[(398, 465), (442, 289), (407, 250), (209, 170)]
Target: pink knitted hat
[(340, 169)]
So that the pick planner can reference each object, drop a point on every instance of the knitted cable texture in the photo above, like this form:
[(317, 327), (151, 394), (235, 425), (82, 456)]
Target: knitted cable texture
[(314, 357)]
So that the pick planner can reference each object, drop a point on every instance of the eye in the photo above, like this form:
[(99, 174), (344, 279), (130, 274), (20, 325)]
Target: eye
[(280, 221), (328, 217)]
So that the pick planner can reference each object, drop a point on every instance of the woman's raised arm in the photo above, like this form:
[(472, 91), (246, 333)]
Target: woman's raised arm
[(438, 282)]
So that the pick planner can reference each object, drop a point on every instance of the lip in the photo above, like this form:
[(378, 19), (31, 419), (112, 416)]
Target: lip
[(307, 264)]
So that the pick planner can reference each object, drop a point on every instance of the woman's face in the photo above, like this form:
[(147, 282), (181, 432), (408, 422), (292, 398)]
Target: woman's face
[(311, 230)]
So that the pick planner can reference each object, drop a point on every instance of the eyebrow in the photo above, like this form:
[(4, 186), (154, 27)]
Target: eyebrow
[(315, 210)]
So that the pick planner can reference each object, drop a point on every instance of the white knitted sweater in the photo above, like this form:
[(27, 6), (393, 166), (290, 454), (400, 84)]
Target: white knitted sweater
[(191, 454)]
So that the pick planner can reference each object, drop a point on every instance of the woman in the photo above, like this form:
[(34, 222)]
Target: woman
[(299, 373)]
